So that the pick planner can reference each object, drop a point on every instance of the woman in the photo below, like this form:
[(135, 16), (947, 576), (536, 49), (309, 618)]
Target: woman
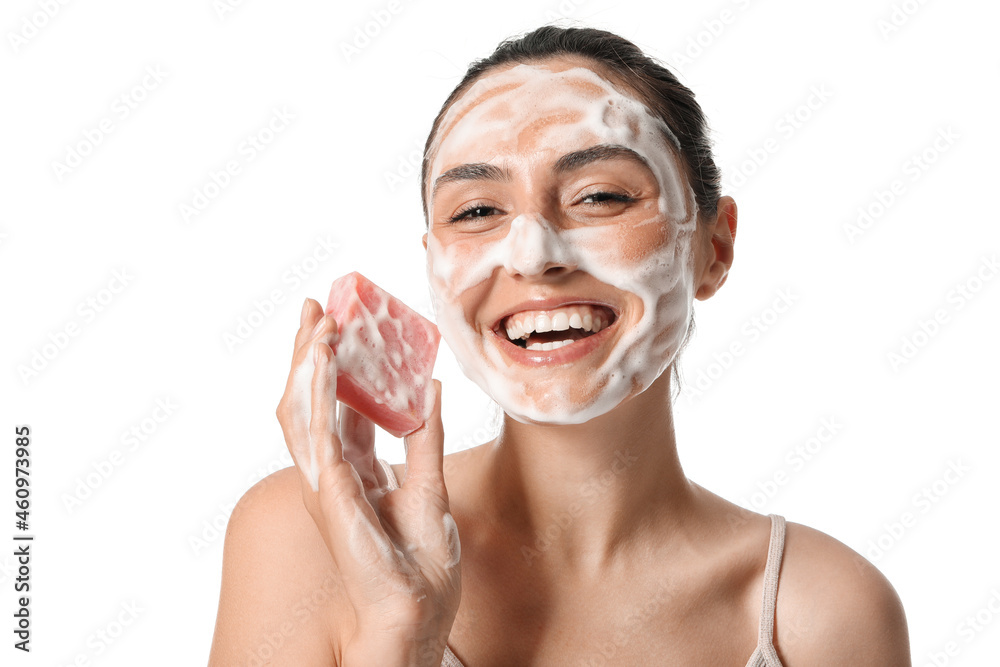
[(573, 215)]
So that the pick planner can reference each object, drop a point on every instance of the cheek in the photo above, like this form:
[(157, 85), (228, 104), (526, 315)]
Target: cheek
[(631, 255), (457, 275), (636, 243), (651, 260), (448, 269), (467, 304)]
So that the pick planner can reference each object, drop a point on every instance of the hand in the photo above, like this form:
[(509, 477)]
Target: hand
[(397, 551)]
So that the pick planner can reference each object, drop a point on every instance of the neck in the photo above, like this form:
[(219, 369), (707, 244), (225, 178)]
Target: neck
[(578, 497)]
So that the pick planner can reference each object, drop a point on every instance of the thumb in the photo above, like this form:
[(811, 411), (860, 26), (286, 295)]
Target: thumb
[(425, 446)]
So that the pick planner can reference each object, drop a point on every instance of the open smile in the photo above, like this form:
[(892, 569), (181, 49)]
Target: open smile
[(550, 334)]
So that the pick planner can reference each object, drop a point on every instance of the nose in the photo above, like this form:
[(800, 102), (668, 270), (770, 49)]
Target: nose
[(535, 247)]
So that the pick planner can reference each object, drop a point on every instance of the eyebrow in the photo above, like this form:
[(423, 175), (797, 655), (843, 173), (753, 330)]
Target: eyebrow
[(478, 171), (598, 153), (482, 171)]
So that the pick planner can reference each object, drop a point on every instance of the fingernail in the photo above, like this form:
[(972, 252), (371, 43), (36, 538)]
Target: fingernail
[(305, 308)]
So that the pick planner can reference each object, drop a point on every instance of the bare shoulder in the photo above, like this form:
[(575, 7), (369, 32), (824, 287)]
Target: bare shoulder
[(834, 607), (280, 589)]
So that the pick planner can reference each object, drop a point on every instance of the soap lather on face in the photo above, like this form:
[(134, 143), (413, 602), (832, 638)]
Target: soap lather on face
[(525, 118)]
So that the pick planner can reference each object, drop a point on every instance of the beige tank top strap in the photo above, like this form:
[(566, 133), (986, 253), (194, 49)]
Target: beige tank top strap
[(775, 551)]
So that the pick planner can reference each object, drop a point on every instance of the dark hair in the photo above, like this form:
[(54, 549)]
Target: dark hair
[(650, 82)]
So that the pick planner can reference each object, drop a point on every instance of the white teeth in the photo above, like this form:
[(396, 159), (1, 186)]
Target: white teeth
[(549, 346), (575, 317)]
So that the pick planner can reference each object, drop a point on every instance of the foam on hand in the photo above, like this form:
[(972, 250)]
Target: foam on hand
[(310, 457)]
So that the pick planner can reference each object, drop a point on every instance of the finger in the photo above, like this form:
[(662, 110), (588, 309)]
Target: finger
[(311, 313), (357, 437), (425, 446), (314, 325), (294, 415), (297, 416), (323, 329), (324, 444), (340, 498), (339, 493)]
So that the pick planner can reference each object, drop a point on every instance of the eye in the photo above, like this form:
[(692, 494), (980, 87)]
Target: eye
[(473, 211), (603, 198)]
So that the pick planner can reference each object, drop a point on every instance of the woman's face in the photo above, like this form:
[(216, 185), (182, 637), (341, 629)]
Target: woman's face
[(559, 242)]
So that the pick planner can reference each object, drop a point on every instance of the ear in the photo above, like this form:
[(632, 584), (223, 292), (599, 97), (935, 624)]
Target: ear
[(718, 250), (425, 240)]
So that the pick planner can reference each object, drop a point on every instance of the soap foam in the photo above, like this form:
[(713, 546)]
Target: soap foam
[(454, 545), (489, 121), (306, 458), (310, 458), (533, 92)]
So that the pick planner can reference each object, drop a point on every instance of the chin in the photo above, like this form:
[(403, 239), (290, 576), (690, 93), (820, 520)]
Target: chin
[(565, 404)]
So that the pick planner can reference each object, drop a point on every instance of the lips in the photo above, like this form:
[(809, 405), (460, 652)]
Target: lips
[(554, 330)]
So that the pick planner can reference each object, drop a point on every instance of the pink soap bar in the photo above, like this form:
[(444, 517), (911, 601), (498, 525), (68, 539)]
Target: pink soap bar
[(385, 355)]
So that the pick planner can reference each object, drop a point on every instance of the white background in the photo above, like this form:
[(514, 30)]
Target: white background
[(865, 100)]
